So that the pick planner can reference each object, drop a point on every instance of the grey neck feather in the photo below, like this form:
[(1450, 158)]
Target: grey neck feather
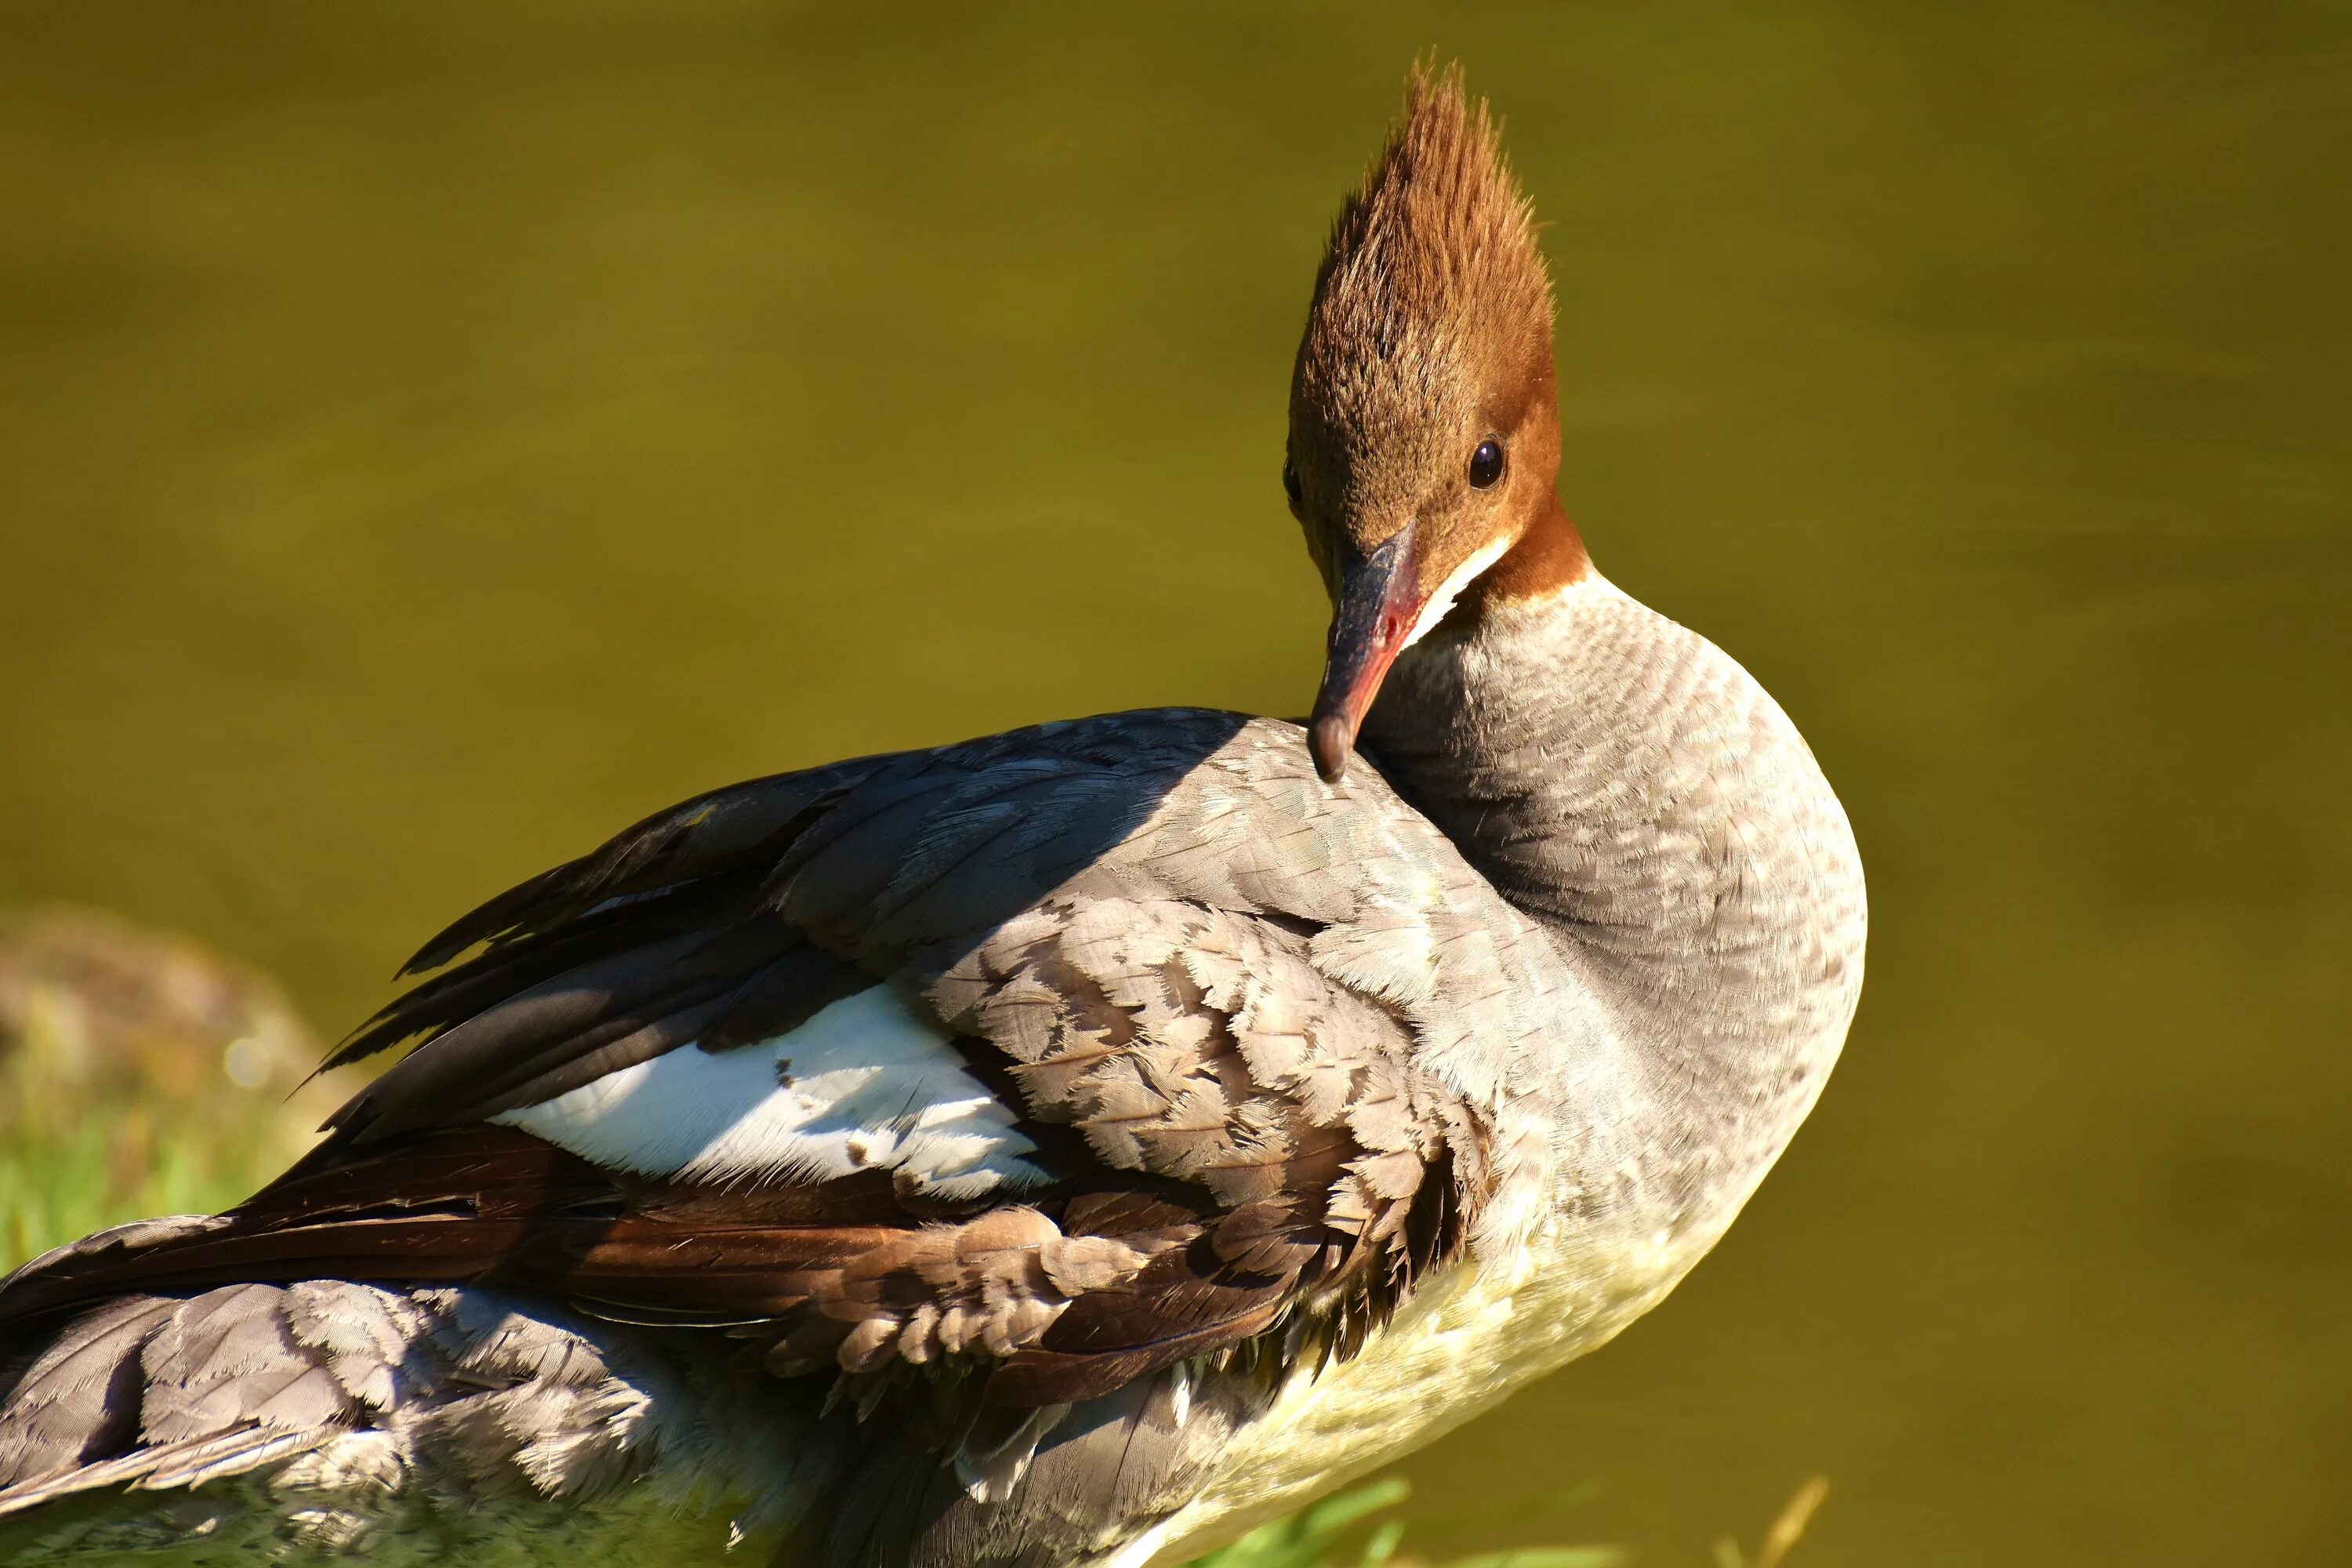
[(1627, 785)]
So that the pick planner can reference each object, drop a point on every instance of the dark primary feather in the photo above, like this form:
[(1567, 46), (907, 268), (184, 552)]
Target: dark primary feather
[(1128, 922)]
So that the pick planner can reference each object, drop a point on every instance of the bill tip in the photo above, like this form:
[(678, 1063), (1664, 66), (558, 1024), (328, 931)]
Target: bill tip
[(1329, 739)]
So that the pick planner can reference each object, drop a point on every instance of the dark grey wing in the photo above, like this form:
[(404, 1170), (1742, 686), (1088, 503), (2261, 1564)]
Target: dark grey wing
[(1083, 1050)]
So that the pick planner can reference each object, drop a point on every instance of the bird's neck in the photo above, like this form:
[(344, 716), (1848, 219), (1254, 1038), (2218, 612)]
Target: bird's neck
[(1626, 783)]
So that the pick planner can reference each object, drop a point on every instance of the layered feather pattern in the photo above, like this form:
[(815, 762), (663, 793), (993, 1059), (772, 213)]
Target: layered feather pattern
[(1061, 1052)]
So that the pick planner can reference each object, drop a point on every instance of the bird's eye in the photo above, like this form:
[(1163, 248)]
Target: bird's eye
[(1290, 485), (1486, 465)]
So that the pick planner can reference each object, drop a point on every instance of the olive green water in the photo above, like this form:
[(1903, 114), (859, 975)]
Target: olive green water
[(432, 436)]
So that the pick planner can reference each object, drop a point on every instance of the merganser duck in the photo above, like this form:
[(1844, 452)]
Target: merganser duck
[(1066, 1147)]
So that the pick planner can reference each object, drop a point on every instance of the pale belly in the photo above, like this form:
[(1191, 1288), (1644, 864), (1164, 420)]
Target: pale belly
[(1468, 1337)]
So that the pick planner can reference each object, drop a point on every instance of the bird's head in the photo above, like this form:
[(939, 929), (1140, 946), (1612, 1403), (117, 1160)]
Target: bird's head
[(1424, 428)]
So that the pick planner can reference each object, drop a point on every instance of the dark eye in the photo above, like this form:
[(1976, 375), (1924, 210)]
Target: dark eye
[(1290, 484), (1486, 465)]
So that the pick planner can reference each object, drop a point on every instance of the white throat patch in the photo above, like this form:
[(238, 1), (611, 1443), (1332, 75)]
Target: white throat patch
[(1442, 601)]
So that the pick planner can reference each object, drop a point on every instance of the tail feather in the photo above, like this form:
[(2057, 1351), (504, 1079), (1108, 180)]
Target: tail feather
[(183, 1464), (318, 1414)]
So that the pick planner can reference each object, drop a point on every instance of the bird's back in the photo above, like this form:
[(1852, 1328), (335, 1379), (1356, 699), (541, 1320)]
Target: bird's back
[(997, 1127)]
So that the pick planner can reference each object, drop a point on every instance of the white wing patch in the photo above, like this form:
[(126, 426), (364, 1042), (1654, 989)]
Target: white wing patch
[(868, 1082)]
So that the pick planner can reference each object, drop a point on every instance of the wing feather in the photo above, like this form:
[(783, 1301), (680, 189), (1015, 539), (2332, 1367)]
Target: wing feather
[(1170, 954)]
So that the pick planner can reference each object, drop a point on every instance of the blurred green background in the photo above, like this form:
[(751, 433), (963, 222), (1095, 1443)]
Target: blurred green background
[(433, 435)]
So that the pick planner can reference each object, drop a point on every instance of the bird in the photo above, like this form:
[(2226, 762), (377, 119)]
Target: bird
[(1070, 1146)]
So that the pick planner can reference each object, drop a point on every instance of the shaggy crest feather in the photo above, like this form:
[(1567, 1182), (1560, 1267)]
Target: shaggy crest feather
[(1432, 259)]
